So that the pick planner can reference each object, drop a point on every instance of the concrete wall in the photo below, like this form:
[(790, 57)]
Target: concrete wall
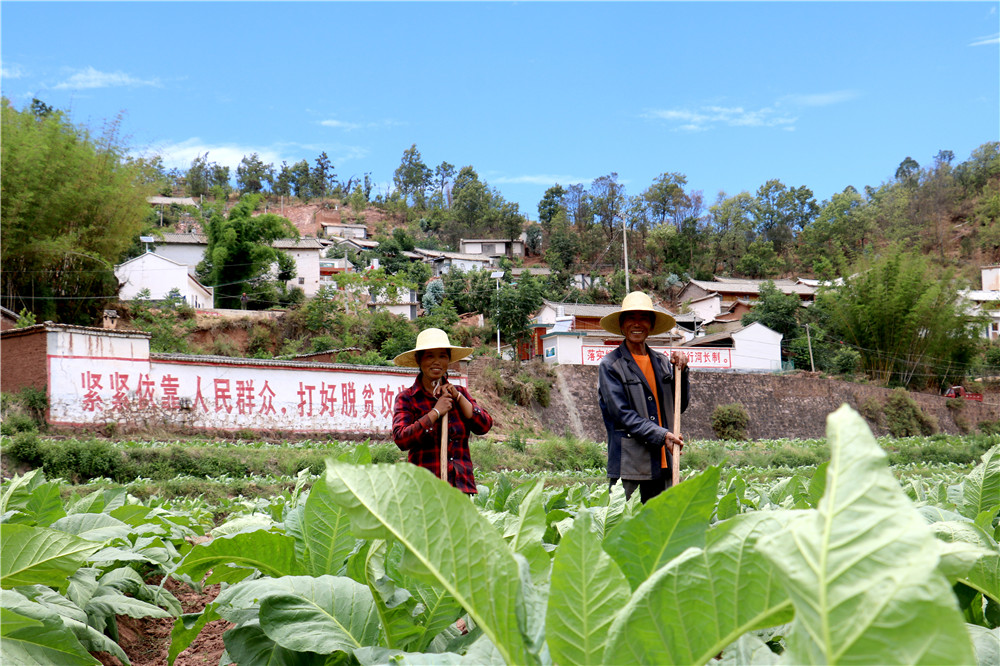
[(778, 405)]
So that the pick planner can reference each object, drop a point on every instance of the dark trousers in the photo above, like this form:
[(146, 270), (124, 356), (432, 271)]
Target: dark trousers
[(647, 489)]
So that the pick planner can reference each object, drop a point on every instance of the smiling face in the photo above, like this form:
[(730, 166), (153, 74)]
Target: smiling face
[(434, 363), (636, 326)]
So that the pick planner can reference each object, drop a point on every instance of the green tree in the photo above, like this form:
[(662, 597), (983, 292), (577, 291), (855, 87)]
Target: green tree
[(608, 198), (322, 177), (564, 244), (239, 257), (301, 180), (412, 178), (433, 296), (550, 204), (444, 174), (731, 224), (252, 175), (666, 197), (837, 236), (905, 318), (514, 305), (760, 260), (72, 207), (776, 310), (781, 212)]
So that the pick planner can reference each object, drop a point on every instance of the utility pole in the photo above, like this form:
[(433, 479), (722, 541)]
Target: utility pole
[(812, 367), (625, 247), (497, 275)]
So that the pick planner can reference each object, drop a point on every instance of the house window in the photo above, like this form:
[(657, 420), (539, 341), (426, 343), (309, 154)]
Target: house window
[(302, 280), (489, 248)]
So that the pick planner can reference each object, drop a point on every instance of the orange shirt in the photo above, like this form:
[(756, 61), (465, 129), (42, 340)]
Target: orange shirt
[(646, 365)]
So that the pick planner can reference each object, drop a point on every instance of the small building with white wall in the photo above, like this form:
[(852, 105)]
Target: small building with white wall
[(161, 276)]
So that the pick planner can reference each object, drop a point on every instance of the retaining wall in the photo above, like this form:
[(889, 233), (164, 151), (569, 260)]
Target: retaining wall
[(778, 405)]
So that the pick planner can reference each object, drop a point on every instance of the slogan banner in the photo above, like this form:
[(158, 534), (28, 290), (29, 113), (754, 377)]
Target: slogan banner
[(304, 398), (698, 357)]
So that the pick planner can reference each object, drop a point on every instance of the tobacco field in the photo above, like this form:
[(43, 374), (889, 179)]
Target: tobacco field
[(850, 561)]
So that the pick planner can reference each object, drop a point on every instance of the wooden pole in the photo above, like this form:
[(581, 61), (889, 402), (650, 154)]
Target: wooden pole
[(675, 451), (444, 442)]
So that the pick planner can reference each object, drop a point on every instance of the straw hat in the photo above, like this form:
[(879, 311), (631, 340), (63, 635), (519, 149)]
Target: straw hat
[(431, 338), (638, 301)]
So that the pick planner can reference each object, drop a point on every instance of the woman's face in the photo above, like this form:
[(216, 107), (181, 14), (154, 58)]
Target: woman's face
[(434, 363)]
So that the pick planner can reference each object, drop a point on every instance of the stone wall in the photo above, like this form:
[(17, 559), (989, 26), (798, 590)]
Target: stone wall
[(778, 405)]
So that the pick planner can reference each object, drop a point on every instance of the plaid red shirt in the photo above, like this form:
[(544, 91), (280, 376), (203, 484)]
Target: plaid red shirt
[(414, 433)]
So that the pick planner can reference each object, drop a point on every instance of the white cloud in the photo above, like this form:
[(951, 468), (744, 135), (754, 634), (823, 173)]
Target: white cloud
[(180, 155), (709, 117), (91, 78), (539, 179), (350, 126), (986, 41), (821, 99), (11, 71)]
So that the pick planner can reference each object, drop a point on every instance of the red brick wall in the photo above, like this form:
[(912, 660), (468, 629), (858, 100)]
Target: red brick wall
[(24, 362)]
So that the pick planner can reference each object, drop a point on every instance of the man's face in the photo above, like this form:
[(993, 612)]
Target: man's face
[(636, 327)]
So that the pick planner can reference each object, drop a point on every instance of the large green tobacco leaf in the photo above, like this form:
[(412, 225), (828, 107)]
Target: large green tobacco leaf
[(248, 645), (981, 488), (30, 555), (984, 575), (703, 600), (396, 606), (93, 526), (446, 539), (586, 591), (186, 628), (337, 614), (326, 532), (862, 569), (669, 523), (234, 558), (31, 635), (526, 529)]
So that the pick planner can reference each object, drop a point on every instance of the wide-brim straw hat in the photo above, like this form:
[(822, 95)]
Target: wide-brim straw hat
[(431, 338), (638, 301)]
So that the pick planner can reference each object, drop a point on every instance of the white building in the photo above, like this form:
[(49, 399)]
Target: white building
[(755, 347), (161, 276), (334, 231), (986, 300), (443, 262), (307, 253), (186, 249), (492, 247)]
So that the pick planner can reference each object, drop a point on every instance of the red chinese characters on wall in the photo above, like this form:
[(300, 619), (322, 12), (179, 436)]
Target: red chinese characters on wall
[(118, 391)]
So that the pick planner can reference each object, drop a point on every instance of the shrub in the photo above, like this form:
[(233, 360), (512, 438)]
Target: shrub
[(905, 418), (260, 341), (989, 427), (871, 409), (730, 421), (847, 361), (17, 422), (386, 453), (26, 449), (81, 460)]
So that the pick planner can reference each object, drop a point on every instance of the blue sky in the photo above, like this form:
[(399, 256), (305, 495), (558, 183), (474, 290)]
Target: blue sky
[(816, 94)]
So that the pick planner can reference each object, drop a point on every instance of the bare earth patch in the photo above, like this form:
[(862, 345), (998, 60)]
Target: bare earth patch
[(146, 641)]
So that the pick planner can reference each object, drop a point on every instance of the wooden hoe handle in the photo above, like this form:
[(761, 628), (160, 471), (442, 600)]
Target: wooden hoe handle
[(675, 451), (444, 447)]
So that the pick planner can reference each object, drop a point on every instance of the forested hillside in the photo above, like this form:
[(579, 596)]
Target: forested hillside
[(74, 206)]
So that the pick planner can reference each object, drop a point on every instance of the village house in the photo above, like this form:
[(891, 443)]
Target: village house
[(161, 277), (493, 247), (986, 300)]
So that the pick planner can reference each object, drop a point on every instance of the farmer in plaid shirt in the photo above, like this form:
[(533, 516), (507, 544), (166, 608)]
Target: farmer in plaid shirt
[(415, 427)]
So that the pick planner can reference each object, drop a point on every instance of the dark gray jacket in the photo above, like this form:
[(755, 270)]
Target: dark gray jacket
[(635, 431)]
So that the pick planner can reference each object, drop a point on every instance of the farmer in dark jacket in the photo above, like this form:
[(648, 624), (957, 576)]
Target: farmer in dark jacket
[(636, 391)]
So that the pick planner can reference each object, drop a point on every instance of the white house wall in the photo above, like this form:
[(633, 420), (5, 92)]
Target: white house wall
[(757, 347), (96, 378), (190, 255)]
